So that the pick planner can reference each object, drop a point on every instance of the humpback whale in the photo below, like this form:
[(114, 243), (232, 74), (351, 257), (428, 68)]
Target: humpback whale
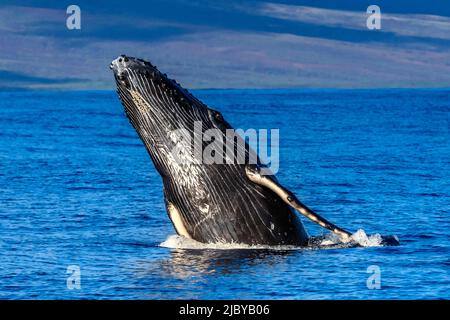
[(230, 202)]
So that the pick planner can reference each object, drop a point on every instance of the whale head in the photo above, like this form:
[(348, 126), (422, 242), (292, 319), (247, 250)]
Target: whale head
[(162, 112)]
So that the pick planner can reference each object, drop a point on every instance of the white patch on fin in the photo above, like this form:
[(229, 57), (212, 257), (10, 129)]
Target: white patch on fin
[(177, 221)]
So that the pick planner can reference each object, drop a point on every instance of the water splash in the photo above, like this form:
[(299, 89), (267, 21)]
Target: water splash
[(180, 242), (364, 240), (328, 241)]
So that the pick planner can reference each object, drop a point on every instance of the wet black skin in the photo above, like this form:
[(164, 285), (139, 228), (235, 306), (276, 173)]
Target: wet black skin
[(216, 202)]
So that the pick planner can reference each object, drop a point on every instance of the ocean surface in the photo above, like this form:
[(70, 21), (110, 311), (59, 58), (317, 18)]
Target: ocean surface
[(79, 192)]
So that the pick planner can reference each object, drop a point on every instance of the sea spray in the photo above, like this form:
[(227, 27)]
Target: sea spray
[(327, 241)]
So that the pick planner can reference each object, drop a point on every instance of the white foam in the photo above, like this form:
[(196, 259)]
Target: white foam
[(364, 240), (359, 238), (180, 242)]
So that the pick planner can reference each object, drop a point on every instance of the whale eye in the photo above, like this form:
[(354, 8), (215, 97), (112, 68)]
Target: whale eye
[(218, 116)]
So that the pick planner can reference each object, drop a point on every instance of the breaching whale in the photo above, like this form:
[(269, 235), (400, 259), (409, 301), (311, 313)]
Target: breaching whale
[(229, 202)]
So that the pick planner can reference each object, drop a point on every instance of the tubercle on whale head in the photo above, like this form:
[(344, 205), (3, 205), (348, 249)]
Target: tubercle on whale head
[(133, 73)]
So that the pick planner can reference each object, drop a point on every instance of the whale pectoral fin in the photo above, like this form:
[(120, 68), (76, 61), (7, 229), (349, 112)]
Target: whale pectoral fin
[(254, 175), (177, 220)]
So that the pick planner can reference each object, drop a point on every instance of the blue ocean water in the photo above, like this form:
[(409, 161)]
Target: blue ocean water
[(78, 188)]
